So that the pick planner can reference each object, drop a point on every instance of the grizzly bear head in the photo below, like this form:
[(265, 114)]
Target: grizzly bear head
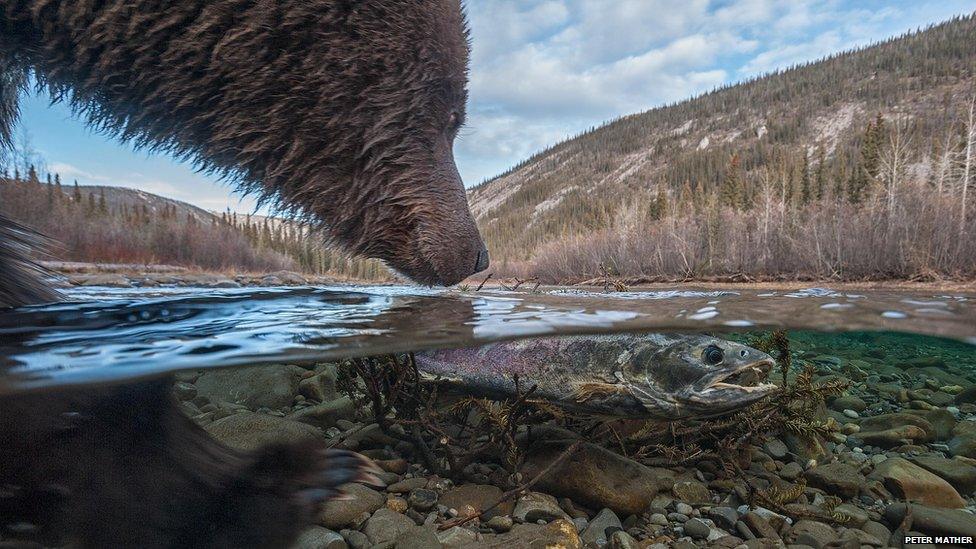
[(343, 112)]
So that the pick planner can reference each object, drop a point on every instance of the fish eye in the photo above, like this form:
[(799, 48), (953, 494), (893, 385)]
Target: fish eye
[(713, 355)]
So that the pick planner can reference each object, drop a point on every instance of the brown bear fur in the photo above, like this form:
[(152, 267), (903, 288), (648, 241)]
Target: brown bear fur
[(123, 467), (343, 112)]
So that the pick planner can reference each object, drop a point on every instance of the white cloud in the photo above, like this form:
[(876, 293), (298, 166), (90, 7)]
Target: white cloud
[(544, 70)]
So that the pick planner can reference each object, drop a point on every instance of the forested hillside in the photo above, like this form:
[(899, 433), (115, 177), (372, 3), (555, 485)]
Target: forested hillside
[(119, 225), (857, 166)]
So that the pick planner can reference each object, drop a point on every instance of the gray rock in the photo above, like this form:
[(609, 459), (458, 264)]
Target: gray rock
[(878, 530), (596, 530), (898, 420), (535, 506), (456, 537), (271, 387), (416, 537), (470, 499), (326, 414), (848, 402), (321, 387), (856, 516), (960, 475), (386, 525), (318, 537), (659, 519), (359, 500), (622, 540), (758, 526), (422, 499), (697, 529), (861, 538), (500, 524), (776, 448), (836, 478), (691, 491), (597, 478), (250, 431), (724, 517), (791, 471), (812, 533), (111, 280), (184, 391), (289, 278), (677, 517), (910, 482), (805, 448), (406, 485), (355, 539), (931, 520)]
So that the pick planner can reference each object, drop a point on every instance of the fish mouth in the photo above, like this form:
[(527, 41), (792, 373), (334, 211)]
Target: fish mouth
[(745, 381)]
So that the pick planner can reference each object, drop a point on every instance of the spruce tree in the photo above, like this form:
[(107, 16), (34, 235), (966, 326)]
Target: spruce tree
[(820, 180), (806, 186), (730, 193)]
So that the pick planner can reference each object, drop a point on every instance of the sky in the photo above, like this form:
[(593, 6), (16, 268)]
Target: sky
[(545, 70)]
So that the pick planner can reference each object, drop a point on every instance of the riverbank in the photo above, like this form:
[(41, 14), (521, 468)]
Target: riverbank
[(901, 436), (69, 274)]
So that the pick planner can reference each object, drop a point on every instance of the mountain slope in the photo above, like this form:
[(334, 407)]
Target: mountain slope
[(117, 197), (784, 122)]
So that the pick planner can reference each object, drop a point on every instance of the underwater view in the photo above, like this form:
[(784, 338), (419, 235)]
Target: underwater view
[(545, 418)]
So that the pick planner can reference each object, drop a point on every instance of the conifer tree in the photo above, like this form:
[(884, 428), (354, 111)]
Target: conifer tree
[(730, 194), (820, 179), (806, 185)]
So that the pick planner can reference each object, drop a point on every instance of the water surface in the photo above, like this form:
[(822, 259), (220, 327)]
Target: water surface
[(107, 335)]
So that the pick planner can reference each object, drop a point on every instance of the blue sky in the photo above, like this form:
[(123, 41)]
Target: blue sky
[(543, 70)]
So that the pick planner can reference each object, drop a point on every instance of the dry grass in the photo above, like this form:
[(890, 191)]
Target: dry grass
[(916, 239)]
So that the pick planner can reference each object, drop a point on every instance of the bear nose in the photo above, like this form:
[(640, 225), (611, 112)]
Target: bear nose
[(482, 262)]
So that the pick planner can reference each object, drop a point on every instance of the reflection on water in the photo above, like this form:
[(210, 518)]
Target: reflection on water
[(108, 335)]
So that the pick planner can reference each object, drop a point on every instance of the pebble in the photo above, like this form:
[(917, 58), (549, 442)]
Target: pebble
[(535, 506), (500, 523), (724, 517), (456, 537), (697, 529), (422, 499), (776, 448), (658, 519), (677, 517), (399, 505), (851, 414)]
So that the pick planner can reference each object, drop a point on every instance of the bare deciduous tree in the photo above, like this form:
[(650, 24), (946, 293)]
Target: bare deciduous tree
[(965, 178)]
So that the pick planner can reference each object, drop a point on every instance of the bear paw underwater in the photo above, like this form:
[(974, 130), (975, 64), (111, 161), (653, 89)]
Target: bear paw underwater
[(123, 467)]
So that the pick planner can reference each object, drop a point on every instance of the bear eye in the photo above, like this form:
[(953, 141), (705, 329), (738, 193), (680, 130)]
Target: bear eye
[(712, 355), (455, 121)]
